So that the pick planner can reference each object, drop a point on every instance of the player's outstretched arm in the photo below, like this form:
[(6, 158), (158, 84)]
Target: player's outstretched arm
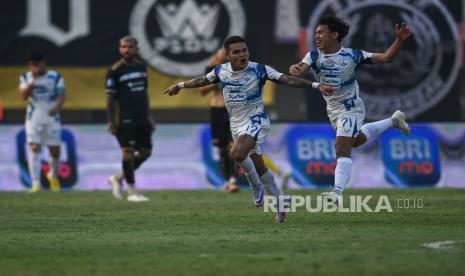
[(298, 69), (193, 83), (303, 83), (403, 32)]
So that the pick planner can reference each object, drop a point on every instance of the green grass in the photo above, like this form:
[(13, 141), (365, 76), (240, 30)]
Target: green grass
[(214, 233)]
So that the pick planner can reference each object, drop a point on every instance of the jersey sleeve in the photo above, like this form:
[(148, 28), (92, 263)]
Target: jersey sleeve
[(23, 82), (272, 73), (60, 85), (212, 76), (110, 85), (307, 59), (365, 57)]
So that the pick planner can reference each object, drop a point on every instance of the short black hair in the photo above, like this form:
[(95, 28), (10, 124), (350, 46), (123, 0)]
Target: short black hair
[(335, 24), (231, 40), (35, 57)]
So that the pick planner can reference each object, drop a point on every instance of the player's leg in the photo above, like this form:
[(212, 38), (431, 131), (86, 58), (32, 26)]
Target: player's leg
[(397, 120), (268, 180), (222, 140), (54, 164), (347, 127), (35, 165), (143, 143), (34, 140), (53, 140), (276, 170), (240, 154)]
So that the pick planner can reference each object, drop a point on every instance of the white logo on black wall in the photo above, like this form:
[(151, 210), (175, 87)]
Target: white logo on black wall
[(425, 69), (178, 37)]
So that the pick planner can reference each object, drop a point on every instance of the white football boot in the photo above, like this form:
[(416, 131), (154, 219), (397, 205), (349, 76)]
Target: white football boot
[(398, 121)]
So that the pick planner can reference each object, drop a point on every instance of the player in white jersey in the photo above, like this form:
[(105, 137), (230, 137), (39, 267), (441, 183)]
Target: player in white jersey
[(243, 82), (337, 66), (45, 92)]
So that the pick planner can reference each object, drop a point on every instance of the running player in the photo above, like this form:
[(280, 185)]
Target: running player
[(45, 92), (336, 66), (242, 82), (129, 116)]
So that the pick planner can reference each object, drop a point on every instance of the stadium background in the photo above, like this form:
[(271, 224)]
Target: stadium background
[(80, 39)]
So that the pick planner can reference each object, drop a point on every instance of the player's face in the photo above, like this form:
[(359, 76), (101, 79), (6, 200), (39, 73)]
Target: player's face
[(37, 68), (238, 55), (324, 39), (128, 50)]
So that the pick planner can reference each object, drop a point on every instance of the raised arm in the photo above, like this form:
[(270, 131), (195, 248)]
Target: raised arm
[(402, 33), (303, 83), (193, 83)]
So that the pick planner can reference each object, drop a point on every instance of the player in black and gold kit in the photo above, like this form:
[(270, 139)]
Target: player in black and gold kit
[(129, 117)]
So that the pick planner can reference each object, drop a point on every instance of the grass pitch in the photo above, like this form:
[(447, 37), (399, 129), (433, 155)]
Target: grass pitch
[(214, 233)]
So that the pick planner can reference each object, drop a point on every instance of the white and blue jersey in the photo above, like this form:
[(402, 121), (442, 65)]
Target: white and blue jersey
[(45, 90), (243, 97), (340, 70)]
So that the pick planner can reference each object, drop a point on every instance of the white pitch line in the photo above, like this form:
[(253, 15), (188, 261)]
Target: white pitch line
[(440, 245)]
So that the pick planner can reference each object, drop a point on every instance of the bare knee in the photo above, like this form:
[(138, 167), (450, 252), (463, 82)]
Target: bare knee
[(128, 154), (237, 154), (344, 146), (35, 148), (359, 140), (144, 154), (54, 151)]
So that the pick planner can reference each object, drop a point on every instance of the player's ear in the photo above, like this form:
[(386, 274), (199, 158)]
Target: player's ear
[(334, 35)]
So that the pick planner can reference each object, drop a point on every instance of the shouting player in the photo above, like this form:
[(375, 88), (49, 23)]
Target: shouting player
[(242, 81), (337, 66)]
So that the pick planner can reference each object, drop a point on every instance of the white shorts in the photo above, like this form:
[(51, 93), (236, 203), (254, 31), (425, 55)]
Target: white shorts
[(257, 126), (349, 123), (43, 134)]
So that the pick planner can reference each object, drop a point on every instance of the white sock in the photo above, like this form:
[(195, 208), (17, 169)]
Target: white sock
[(342, 174), (270, 185), (375, 128), (54, 164), (34, 167), (250, 172)]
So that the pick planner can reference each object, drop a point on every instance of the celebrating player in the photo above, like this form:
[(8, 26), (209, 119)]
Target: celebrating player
[(242, 82), (129, 116), (45, 92), (336, 66)]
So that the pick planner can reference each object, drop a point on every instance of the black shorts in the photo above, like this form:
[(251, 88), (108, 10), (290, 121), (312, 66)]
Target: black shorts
[(138, 137), (221, 132)]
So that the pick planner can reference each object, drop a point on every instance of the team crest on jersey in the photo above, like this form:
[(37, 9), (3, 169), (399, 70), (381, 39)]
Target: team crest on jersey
[(425, 69), (177, 37)]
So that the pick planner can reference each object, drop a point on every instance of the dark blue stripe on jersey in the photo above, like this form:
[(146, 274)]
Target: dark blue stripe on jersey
[(348, 82), (314, 56), (355, 128), (262, 75), (31, 110), (255, 95), (217, 73)]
